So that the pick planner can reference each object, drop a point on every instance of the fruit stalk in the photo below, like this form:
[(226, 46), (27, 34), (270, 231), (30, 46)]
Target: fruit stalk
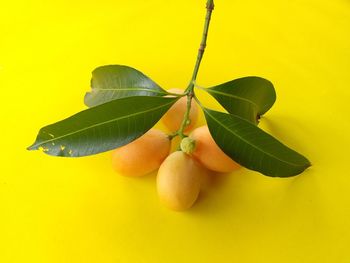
[(186, 119), (189, 90)]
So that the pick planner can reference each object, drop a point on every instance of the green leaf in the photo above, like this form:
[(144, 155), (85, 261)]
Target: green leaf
[(248, 97), (103, 127), (253, 148), (115, 81)]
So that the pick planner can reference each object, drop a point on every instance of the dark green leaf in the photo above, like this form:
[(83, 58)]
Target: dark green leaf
[(115, 81), (247, 97), (253, 148), (103, 127)]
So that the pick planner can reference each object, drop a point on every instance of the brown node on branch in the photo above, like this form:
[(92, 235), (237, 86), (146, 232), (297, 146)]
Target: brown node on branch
[(210, 5), (202, 47)]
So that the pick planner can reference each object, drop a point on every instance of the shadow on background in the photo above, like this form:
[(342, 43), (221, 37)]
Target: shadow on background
[(286, 129)]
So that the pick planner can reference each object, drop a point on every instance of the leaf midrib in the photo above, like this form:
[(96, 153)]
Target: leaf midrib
[(232, 96), (128, 89), (297, 165), (131, 89), (99, 124)]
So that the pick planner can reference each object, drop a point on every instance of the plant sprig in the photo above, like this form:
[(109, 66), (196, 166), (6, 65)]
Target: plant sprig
[(124, 104)]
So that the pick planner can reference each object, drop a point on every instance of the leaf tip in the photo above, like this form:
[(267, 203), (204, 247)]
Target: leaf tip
[(32, 147), (308, 164)]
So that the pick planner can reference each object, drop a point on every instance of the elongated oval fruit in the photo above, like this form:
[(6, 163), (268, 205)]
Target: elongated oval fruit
[(178, 181), (208, 153), (172, 119), (143, 155)]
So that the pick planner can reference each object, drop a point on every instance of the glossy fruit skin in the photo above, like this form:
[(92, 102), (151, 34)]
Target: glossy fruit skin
[(208, 153), (179, 181), (172, 119), (143, 155)]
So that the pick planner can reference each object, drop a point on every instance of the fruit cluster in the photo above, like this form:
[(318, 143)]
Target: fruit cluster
[(180, 173)]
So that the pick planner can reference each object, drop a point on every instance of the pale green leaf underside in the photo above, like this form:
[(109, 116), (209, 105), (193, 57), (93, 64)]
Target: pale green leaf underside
[(253, 148), (247, 97), (117, 81), (102, 128)]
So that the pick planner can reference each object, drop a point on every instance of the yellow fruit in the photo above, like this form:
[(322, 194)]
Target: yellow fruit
[(208, 153), (143, 155), (174, 116), (178, 181)]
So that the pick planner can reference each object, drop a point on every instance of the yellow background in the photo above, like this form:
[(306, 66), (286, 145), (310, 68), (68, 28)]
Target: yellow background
[(79, 210)]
